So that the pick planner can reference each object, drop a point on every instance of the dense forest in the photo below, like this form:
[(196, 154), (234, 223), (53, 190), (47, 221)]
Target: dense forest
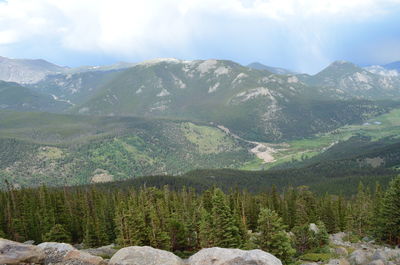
[(184, 220)]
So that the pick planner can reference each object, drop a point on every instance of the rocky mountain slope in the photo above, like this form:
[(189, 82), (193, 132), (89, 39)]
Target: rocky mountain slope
[(347, 80), (26, 71), (255, 104), (75, 88)]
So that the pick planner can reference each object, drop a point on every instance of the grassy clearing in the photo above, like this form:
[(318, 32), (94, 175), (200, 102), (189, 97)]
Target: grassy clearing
[(208, 140), (386, 125)]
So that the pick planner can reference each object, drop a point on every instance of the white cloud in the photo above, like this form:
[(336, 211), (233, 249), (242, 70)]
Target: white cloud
[(131, 27)]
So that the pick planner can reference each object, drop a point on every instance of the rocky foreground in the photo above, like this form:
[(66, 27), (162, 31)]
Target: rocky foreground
[(65, 254), (51, 253)]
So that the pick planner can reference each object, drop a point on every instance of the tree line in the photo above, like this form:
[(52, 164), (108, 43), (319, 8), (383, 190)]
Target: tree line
[(184, 220)]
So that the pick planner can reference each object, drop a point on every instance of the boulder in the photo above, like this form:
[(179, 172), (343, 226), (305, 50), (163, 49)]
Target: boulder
[(65, 254), (144, 256), (29, 242), (337, 239), (313, 227), (17, 253), (386, 254), (77, 257), (105, 251), (360, 257), (341, 251), (55, 252), (338, 262), (224, 256), (376, 262)]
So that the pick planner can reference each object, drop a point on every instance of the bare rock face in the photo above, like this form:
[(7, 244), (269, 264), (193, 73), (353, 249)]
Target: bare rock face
[(144, 256), (16, 253), (224, 256), (65, 254)]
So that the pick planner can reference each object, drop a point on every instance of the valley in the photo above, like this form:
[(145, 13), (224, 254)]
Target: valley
[(169, 117)]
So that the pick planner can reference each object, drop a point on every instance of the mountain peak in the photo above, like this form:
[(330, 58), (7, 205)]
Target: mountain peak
[(341, 63), (159, 60), (275, 70)]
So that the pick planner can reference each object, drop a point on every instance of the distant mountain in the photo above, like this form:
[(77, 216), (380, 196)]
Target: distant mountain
[(111, 67), (254, 104), (348, 80), (75, 88), (16, 97), (26, 71), (393, 66), (275, 70)]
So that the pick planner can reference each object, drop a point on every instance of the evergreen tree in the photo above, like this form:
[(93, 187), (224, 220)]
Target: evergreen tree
[(224, 228), (273, 238), (205, 229), (57, 234), (389, 228), (362, 211)]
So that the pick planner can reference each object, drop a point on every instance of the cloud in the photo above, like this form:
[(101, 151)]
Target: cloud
[(142, 29)]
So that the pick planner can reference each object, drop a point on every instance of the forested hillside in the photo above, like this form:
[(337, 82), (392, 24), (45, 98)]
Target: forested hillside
[(39, 148)]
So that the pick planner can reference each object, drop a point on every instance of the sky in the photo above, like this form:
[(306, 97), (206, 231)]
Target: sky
[(301, 35)]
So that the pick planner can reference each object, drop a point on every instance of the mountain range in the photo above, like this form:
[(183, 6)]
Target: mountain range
[(168, 116)]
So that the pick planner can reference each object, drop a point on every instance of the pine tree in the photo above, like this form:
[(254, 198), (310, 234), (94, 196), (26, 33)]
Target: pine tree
[(273, 237), (57, 234), (224, 228), (362, 211), (205, 229), (389, 228)]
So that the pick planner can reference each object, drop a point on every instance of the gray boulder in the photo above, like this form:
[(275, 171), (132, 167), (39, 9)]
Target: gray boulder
[(338, 262), (360, 257), (29, 242), (144, 256), (65, 254), (77, 257), (341, 251), (224, 256), (376, 262), (105, 251), (55, 252), (17, 253)]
